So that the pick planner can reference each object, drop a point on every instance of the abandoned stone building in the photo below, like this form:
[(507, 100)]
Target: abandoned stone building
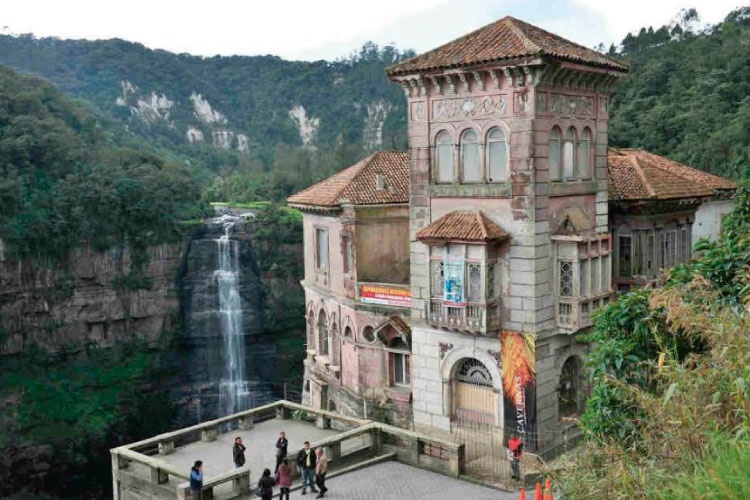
[(450, 280)]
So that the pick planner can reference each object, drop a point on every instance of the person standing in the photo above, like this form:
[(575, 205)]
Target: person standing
[(196, 480), (284, 479), (306, 462), (516, 449), (321, 468), (281, 450), (238, 452), (265, 485)]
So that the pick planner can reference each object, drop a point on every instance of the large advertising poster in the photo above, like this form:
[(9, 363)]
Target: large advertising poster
[(385, 295), (453, 281), (519, 386)]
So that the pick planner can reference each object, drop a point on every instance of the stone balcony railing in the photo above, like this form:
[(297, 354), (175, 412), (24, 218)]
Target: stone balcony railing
[(381, 441), (475, 317)]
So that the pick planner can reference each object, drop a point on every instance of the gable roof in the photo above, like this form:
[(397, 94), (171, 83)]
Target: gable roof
[(506, 38), (471, 226), (358, 184), (635, 174)]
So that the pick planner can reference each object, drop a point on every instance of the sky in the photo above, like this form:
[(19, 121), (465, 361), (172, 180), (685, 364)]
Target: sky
[(329, 29)]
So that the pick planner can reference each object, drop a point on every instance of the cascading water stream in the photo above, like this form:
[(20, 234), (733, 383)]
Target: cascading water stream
[(233, 396)]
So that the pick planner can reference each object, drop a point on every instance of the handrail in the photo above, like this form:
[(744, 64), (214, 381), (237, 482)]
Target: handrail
[(135, 456), (236, 416)]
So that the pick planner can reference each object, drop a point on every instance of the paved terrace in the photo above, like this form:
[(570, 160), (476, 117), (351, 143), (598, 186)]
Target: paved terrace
[(362, 456)]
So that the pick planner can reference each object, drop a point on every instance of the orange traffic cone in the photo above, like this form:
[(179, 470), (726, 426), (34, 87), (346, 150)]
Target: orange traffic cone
[(546, 494), (522, 495), (538, 492), (548, 484)]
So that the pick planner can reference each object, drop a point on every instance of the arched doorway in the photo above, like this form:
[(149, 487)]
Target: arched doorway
[(475, 419), (474, 400), (569, 393)]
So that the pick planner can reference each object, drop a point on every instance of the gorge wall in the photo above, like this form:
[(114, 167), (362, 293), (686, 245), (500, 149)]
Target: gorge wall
[(89, 300)]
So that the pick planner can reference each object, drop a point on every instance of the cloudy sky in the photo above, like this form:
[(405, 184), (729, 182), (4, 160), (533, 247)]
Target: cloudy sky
[(327, 29)]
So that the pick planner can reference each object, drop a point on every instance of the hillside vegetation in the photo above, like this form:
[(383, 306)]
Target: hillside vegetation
[(63, 180), (669, 412)]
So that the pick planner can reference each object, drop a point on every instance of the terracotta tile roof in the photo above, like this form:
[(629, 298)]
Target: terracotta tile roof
[(507, 38), (635, 174), (358, 184), (463, 226)]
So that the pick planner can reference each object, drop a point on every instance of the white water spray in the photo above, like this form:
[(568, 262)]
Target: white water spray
[(233, 396)]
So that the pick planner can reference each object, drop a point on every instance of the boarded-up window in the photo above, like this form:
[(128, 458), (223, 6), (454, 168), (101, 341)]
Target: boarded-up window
[(554, 154), (346, 243), (624, 257), (321, 246), (497, 155), (470, 167), (584, 155), (444, 157)]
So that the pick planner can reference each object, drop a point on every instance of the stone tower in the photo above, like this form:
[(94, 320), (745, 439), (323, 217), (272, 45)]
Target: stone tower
[(509, 238)]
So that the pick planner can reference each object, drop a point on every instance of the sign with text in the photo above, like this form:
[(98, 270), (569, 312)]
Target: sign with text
[(385, 295)]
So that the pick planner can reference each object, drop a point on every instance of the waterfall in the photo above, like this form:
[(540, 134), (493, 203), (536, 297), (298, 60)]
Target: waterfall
[(233, 394)]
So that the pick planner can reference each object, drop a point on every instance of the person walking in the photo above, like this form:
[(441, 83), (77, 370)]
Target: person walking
[(238, 452), (306, 462), (284, 478), (321, 468), (281, 450), (196, 480), (515, 445), (265, 485)]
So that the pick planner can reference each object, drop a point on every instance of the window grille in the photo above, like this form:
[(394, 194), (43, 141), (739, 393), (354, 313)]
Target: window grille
[(472, 371), (566, 278)]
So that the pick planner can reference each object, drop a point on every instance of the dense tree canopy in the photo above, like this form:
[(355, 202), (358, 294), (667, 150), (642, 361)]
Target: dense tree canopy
[(63, 181)]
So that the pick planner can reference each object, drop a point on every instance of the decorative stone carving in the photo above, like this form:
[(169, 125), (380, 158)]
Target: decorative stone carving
[(522, 102), (407, 89), (451, 83), (444, 348), (495, 79), (414, 87), (436, 84), (603, 105), (508, 76), (572, 102), (417, 112), (527, 80), (497, 356), (541, 102), (587, 106), (555, 103), (464, 81), (482, 106), (479, 80)]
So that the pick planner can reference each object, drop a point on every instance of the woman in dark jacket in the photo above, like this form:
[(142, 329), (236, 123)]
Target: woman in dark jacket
[(265, 485)]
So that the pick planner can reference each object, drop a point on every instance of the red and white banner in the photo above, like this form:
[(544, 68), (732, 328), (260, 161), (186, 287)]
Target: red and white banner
[(385, 295)]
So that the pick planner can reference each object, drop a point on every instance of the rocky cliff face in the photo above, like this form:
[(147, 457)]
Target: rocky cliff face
[(88, 300)]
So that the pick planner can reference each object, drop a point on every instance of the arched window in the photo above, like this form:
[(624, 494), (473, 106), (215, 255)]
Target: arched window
[(471, 170), (322, 333), (472, 371), (584, 154), (336, 341), (347, 332), (310, 330), (569, 154), (569, 393), (497, 156), (554, 154), (444, 157)]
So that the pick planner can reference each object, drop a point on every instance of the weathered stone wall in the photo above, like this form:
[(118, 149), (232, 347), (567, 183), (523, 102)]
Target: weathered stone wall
[(87, 299)]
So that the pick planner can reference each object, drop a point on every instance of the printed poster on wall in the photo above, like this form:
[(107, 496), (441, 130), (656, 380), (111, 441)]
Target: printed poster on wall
[(453, 281), (518, 359), (385, 295)]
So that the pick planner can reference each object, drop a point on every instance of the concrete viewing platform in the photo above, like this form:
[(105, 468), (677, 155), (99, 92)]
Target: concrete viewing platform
[(368, 460)]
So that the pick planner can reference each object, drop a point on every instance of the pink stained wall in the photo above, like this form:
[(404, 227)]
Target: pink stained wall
[(584, 204)]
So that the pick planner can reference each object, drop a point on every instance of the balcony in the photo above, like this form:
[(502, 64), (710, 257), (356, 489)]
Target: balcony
[(475, 317), (575, 313)]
